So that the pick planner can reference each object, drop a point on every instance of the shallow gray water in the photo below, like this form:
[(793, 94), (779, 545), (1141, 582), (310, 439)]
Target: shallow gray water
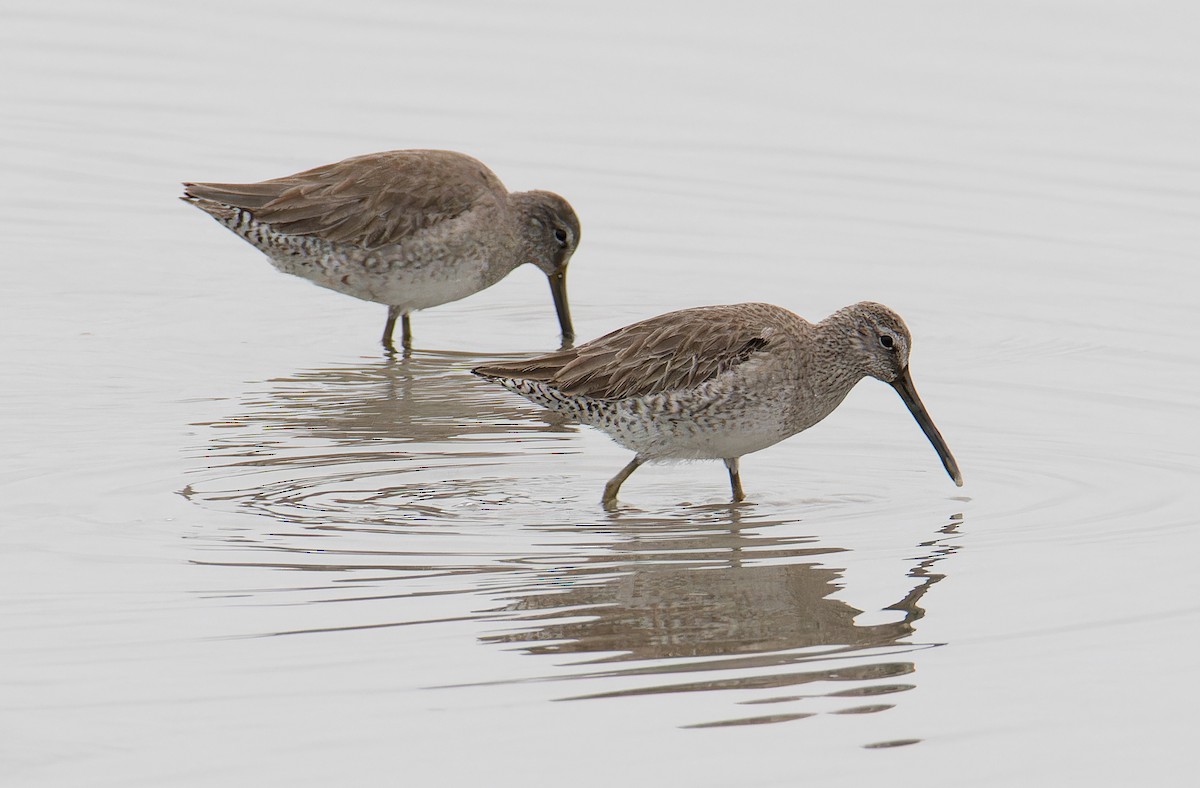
[(241, 546)]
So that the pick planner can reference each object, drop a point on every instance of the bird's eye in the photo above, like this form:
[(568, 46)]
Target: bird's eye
[(887, 341), (560, 235)]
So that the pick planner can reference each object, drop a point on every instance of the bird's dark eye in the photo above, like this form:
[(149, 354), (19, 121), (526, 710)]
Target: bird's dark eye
[(560, 235), (887, 341)]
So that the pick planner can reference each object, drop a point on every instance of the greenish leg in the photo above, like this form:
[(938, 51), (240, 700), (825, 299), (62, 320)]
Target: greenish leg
[(614, 484), (735, 479)]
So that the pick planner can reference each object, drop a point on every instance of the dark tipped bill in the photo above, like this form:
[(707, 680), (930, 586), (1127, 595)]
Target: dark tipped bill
[(558, 289), (904, 387)]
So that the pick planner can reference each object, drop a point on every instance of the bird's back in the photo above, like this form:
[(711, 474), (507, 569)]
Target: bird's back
[(671, 352), (368, 201)]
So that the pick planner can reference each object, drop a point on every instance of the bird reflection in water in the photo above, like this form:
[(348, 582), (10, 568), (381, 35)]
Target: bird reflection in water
[(367, 443), (428, 396), (742, 610)]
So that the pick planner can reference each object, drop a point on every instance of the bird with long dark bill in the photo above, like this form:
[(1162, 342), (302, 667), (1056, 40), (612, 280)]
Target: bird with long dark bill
[(411, 229), (720, 382)]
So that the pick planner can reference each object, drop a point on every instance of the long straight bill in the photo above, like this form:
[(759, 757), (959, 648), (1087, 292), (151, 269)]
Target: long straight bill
[(904, 387), (558, 289)]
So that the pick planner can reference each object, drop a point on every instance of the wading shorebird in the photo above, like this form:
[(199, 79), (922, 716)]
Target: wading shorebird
[(718, 382), (407, 228)]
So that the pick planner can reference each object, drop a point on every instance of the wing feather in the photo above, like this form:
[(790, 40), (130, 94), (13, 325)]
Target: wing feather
[(674, 351), (369, 201)]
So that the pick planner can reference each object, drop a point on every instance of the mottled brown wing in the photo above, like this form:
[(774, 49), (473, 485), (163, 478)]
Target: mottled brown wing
[(369, 201), (665, 353)]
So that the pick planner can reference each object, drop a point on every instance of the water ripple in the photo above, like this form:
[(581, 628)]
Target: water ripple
[(345, 466)]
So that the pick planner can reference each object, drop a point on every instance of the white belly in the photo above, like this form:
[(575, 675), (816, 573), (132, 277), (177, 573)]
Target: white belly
[(670, 432), (411, 285)]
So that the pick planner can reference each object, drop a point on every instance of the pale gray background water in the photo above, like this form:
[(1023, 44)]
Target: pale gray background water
[(240, 547)]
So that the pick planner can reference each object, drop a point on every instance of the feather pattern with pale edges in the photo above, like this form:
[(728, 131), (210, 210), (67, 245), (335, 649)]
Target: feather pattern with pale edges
[(670, 352), (369, 201)]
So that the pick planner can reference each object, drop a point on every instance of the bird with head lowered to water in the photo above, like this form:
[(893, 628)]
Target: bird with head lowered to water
[(719, 382), (411, 229)]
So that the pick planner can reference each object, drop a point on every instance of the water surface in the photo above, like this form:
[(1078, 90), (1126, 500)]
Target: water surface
[(239, 543)]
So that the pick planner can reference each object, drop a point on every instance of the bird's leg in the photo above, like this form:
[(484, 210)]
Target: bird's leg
[(405, 332), (389, 326), (735, 479), (610, 490)]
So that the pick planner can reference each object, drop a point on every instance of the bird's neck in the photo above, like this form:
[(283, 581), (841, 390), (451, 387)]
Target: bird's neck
[(824, 376), (839, 346)]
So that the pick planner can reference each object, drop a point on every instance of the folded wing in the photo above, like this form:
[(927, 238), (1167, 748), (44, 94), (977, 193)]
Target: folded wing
[(369, 201), (670, 352)]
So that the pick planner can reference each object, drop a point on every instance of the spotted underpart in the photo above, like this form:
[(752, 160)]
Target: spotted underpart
[(422, 273), (712, 421)]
